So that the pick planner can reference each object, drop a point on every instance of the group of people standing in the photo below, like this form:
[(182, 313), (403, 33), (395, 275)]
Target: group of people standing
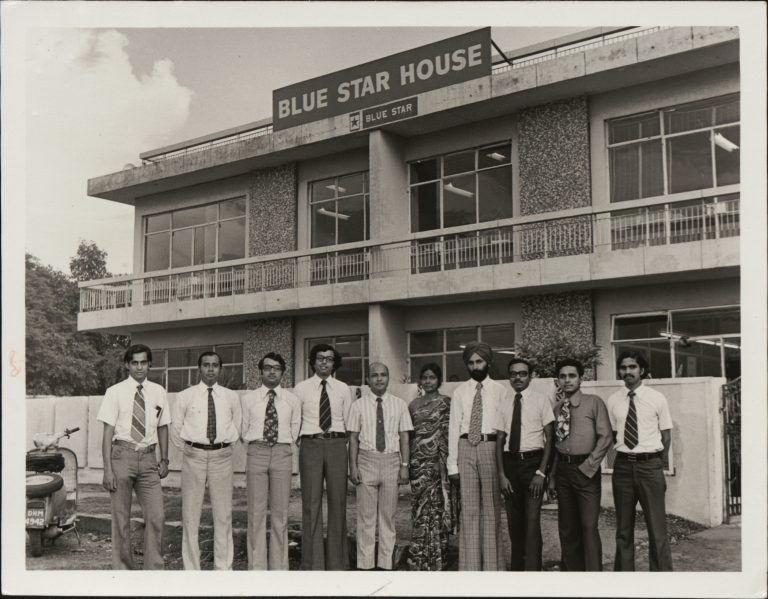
[(465, 457)]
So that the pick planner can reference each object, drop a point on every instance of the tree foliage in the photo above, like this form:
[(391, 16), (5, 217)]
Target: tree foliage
[(89, 262)]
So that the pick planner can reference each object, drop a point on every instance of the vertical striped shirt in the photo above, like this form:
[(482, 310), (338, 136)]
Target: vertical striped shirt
[(362, 419)]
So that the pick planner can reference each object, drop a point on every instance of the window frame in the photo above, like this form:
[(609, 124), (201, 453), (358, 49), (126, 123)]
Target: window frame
[(366, 199), (364, 356), (194, 368)]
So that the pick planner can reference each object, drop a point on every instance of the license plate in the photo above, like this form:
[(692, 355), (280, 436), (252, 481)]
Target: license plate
[(35, 517)]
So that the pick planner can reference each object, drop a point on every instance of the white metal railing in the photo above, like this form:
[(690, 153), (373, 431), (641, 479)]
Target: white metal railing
[(663, 224)]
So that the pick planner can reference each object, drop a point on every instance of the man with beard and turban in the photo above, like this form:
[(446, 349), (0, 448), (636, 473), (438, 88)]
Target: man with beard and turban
[(472, 461)]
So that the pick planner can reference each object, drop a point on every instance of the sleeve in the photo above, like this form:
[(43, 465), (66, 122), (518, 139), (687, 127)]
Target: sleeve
[(665, 418), (165, 413), (502, 422), (454, 429), (295, 417), (348, 401), (547, 413), (406, 424), (245, 415), (177, 420), (609, 405), (603, 441), (108, 408), (353, 418)]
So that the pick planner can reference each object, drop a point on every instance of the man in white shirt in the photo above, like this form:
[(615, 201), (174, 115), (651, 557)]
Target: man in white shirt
[(471, 461), (325, 402), (135, 416), (378, 461), (206, 424), (523, 447), (642, 430), (271, 422)]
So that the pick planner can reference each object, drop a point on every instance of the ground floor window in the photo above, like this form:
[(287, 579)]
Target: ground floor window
[(683, 343), (445, 346), (354, 351), (176, 369)]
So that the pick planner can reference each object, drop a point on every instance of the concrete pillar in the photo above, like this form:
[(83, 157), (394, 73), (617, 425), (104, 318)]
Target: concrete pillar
[(387, 339), (390, 211)]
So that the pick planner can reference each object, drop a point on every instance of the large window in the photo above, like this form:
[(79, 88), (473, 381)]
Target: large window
[(176, 369), (687, 147), (353, 350), (445, 346), (462, 188), (684, 343), (339, 210), (198, 235)]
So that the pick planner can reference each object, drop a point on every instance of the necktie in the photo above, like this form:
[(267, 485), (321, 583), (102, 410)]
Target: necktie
[(270, 419), (564, 421), (476, 417), (631, 438), (137, 420), (380, 442), (211, 429), (514, 433), (325, 408)]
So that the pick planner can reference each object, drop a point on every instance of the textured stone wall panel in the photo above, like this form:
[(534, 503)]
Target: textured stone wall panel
[(554, 156), (265, 335), (272, 211)]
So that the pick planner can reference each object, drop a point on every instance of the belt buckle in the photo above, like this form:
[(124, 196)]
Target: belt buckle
[(520, 455), (631, 457)]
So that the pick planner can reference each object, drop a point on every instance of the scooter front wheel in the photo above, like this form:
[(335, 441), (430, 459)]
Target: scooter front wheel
[(36, 542)]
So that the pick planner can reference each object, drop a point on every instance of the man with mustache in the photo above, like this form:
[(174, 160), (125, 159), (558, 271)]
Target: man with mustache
[(642, 431)]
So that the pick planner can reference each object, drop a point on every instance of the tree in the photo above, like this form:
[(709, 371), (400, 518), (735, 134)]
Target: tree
[(545, 353), (89, 262)]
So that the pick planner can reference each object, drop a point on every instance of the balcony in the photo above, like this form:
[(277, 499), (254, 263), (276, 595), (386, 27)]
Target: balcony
[(579, 245)]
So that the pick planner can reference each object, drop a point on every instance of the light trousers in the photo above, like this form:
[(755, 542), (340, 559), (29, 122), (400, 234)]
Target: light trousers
[(376, 503)]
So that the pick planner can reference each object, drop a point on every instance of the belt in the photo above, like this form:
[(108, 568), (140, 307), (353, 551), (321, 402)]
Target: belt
[(329, 435), (524, 455), (147, 449), (262, 442), (482, 437), (571, 459), (208, 447), (637, 457)]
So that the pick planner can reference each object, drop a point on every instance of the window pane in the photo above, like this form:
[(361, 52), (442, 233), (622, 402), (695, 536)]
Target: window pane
[(459, 201), (176, 357), (232, 239), (498, 336), (689, 162), (348, 346), (324, 224), (157, 254), (727, 155), (232, 208), (158, 222), (495, 156), (158, 358), (418, 362), (651, 169), (182, 248), (205, 244), (455, 369), (365, 345), (323, 190), (351, 219), (698, 358), (495, 189), (688, 118), (157, 376), (231, 377), (177, 380), (424, 170), (230, 353), (727, 112), (351, 371), (499, 365), (458, 338), (625, 173), (706, 322), (350, 185), (425, 208), (732, 358), (656, 352), (639, 327), (638, 127), (190, 216), (460, 162), (426, 342)]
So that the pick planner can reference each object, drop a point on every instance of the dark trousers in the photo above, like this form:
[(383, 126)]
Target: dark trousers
[(523, 514), (578, 511), (643, 482), (323, 459)]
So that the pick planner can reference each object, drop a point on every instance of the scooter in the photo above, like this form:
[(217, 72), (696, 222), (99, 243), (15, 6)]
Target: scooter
[(51, 490)]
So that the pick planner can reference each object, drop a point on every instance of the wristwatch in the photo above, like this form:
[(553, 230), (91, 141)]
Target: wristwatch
[(541, 474), (403, 464)]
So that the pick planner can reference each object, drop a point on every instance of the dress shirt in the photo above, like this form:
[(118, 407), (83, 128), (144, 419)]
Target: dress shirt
[(536, 414), (494, 395), (254, 413), (190, 415), (590, 431), (362, 419), (308, 392), (652, 418), (117, 410)]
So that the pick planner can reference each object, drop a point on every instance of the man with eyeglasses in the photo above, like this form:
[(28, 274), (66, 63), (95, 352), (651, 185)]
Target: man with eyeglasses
[(523, 446), (271, 421), (325, 403)]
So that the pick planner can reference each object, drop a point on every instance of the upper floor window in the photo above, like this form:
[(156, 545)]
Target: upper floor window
[(339, 210), (198, 235), (354, 353), (176, 369), (687, 147), (462, 188)]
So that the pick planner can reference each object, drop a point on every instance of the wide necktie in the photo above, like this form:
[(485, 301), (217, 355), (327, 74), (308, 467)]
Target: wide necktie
[(631, 437), (476, 417), (325, 408), (514, 433), (211, 428), (137, 420), (564, 421), (270, 419), (380, 440)]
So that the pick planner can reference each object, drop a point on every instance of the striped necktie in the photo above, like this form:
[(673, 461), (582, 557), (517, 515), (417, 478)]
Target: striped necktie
[(631, 438), (211, 428), (270, 419), (137, 421), (325, 408), (476, 417)]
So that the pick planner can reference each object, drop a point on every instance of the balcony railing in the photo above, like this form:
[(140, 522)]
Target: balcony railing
[(665, 224)]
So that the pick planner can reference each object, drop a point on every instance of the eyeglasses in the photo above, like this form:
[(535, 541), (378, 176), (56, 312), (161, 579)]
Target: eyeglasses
[(519, 374), (324, 359), (272, 369)]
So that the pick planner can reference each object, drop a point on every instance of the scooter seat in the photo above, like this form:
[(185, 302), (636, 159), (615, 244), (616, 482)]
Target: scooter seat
[(40, 485)]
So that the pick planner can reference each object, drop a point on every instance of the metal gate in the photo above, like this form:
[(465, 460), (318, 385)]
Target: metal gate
[(732, 426)]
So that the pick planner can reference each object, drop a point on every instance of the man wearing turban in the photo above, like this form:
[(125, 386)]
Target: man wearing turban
[(472, 461)]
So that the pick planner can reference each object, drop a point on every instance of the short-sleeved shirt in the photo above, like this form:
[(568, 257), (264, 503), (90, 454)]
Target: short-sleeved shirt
[(535, 415), (362, 419), (254, 413), (652, 418), (590, 431), (339, 395), (117, 410)]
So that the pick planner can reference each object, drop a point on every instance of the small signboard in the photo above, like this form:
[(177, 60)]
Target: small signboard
[(386, 113)]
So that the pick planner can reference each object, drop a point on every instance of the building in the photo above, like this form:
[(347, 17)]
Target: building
[(586, 188)]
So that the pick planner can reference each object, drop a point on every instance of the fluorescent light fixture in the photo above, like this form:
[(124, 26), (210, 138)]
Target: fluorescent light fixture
[(338, 215), (725, 143), (338, 188), (497, 156), (458, 191), (686, 341)]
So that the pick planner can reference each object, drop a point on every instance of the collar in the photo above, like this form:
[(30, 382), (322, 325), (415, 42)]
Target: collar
[(485, 382), (638, 391), (132, 382), (265, 391), (316, 381), (525, 392), (204, 387), (575, 398), (372, 396)]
